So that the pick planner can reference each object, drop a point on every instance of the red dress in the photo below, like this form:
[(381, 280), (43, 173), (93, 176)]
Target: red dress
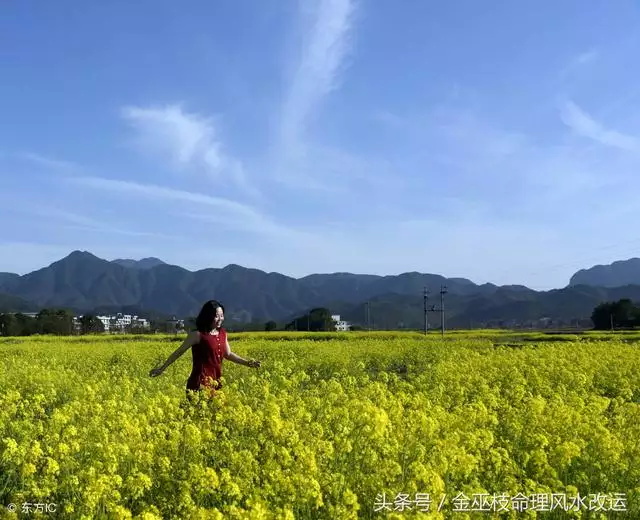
[(207, 358)]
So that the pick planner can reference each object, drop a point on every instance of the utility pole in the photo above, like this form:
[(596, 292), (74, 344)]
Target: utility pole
[(443, 291), (369, 316), (426, 319)]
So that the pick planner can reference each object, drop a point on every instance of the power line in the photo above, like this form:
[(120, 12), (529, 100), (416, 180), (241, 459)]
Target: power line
[(426, 319), (368, 315), (441, 310), (443, 291)]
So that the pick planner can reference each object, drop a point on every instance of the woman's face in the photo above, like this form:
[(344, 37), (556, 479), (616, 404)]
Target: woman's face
[(218, 318)]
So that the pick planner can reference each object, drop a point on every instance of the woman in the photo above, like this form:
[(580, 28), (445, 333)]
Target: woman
[(209, 345)]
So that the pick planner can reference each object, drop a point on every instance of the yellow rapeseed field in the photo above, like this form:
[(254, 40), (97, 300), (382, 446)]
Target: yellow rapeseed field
[(332, 426)]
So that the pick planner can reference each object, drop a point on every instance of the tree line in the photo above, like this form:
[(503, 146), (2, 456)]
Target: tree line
[(608, 315), (59, 322), (316, 320), (623, 314), (47, 321)]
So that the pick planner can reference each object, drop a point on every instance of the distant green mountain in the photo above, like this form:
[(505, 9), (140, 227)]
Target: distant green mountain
[(617, 274), (145, 263), (9, 280), (86, 283), (9, 303), (507, 306)]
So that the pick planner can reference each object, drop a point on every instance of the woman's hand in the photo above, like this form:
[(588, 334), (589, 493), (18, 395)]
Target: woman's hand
[(254, 363), (156, 371)]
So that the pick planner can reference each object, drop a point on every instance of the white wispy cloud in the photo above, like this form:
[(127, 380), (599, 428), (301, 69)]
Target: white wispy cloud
[(333, 171), (74, 220), (186, 137), (468, 136), (300, 159), (578, 62), (50, 163), (476, 156), (153, 191), (586, 57), (189, 140), (230, 214), (318, 68), (387, 118), (582, 123), (265, 226), (124, 232)]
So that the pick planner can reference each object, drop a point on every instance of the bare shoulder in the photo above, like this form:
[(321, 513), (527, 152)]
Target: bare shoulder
[(193, 337)]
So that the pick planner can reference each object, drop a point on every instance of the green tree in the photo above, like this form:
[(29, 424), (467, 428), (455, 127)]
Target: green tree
[(64, 319), (9, 325), (270, 326), (155, 325), (602, 316), (46, 322), (316, 320), (25, 325), (622, 313), (90, 324), (138, 328), (251, 326), (55, 321)]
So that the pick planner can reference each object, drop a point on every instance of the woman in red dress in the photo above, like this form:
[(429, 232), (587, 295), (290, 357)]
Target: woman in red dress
[(209, 346)]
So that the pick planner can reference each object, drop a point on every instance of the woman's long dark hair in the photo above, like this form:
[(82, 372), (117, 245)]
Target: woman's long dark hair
[(204, 321)]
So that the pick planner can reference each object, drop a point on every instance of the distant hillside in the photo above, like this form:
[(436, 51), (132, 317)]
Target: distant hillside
[(9, 303), (145, 263), (356, 287), (8, 281), (85, 283), (507, 305), (617, 274)]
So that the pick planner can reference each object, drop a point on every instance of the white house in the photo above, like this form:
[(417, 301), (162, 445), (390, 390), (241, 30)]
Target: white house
[(106, 321), (340, 324), (141, 322)]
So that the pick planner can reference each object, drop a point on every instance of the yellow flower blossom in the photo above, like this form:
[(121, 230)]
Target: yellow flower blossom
[(322, 428)]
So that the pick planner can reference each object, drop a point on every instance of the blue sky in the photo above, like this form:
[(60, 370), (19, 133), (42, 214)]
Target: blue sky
[(498, 141)]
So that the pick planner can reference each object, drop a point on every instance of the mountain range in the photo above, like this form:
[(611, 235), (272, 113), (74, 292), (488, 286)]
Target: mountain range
[(85, 283), (617, 274)]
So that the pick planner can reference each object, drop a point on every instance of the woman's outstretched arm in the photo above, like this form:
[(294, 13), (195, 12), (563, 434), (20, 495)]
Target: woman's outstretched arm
[(232, 356), (189, 341)]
